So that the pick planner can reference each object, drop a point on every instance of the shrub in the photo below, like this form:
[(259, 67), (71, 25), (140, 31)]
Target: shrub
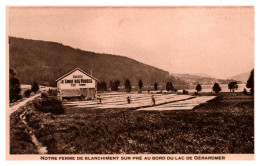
[(35, 87), (44, 95), (185, 91), (49, 105), (195, 93), (82, 97), (245, 91), (52, 92), (14, 87), (33, 120), (27, 93)]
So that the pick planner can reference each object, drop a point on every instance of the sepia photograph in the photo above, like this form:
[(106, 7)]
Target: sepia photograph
[(149, 81)]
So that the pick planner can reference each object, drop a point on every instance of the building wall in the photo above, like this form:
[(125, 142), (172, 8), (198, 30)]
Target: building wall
[(76, 80), (76, 84)]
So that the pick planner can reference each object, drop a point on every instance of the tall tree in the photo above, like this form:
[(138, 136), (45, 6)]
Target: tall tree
[(102, 86), (140, 84), (155, 86), (114, 85), (216, 88), (169, 86), (232, 86), (35, 87), (198, 88), (14, 86), (250, 82), (117, 83), (128, 86)]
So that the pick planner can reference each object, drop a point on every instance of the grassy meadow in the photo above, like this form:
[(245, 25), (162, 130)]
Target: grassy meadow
[(224, 125)]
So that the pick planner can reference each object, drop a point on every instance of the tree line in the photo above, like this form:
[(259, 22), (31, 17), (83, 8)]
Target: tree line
[(232, 86), (114, 86), (15, 88)]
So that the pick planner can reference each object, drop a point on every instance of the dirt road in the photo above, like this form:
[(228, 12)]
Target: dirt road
[(17, 106)]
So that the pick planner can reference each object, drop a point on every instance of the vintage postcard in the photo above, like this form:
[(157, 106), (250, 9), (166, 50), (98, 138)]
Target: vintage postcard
[(130, 83)]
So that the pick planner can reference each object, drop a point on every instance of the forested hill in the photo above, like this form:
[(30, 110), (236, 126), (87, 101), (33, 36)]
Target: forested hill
[(44, 62)]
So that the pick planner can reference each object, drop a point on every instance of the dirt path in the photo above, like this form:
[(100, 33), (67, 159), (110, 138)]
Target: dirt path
[(17, 106), (40, 148)]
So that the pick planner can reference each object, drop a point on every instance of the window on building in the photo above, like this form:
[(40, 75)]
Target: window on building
[(82, 84), (73, 85)]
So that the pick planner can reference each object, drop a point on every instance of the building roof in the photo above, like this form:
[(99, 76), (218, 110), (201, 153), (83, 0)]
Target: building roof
[(75, 70)]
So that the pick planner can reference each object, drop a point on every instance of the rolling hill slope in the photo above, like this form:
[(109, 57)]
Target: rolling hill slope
[(241, 77), (44, 62), (204, 80)]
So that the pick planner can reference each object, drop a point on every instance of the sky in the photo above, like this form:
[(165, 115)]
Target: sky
[(217, 41)]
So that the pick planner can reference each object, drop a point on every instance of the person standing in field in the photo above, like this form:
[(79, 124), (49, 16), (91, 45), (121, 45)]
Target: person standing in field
[(128, 99), (99, 98), (153, 100)]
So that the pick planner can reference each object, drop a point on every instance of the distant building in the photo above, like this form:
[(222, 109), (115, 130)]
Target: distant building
[(77, 83)]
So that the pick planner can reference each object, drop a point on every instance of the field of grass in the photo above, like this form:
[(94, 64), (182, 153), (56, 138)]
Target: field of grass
[(224, 125), (20, 140)]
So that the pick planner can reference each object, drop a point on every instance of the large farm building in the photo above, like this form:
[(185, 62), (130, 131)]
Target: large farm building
[(77, 83)]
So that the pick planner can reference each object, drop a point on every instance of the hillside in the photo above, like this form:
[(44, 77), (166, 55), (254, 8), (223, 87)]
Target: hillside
[(241, 77), (44, 62), (193, 79), (201, 75)]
